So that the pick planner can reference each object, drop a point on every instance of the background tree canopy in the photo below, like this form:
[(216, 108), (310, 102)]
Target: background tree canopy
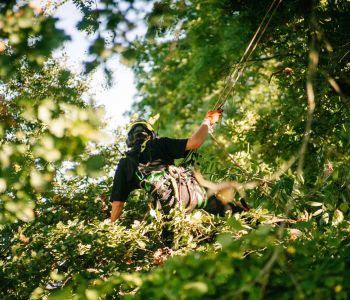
[(285, 131)]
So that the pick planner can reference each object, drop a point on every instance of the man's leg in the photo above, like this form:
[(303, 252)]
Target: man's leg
[(216, 207)]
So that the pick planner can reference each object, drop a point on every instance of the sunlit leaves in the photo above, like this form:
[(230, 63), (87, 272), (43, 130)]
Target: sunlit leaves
[(52, 125), (22, 209), (23, 29), (115, 24), (58, 233)]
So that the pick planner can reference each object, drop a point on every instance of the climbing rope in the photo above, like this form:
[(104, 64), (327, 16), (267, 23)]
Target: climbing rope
[(237, 71)]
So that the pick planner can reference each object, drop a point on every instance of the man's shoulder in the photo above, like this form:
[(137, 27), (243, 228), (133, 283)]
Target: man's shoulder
[(121, 163), (162, 140), (125, 161), (171, 148), (158, 141), (162, 143)]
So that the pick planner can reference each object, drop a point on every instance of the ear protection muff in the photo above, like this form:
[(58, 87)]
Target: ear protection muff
[(139, 123)]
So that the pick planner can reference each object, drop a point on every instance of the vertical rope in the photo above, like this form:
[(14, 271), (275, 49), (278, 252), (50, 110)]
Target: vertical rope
[(238, 70)]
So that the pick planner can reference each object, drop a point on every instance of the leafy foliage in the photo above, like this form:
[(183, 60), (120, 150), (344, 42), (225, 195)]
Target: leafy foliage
[(56, 240), (44, 125), (26, 34)]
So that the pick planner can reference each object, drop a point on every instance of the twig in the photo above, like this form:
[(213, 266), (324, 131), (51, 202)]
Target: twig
[(242, 187), (295, 282), (229, 155), (312, 68), (344, 56), (174, 43), (334, 84)]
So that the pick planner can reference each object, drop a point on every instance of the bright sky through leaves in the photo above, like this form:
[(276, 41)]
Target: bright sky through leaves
[(119, 97)]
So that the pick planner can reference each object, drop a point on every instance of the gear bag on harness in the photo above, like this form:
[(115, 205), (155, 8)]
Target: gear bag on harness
[(172, 186)]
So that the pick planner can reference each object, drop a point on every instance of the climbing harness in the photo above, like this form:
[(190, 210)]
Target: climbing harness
[(174, 186)]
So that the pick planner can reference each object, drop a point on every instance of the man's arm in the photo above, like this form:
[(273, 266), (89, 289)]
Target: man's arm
[(198, 138), (117, 208)]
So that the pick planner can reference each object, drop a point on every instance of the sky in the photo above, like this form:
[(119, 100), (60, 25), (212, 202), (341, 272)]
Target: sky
[(119, 97)]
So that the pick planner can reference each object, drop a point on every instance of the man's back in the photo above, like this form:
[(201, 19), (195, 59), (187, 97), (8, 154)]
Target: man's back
[(146, 150), (157, 154)]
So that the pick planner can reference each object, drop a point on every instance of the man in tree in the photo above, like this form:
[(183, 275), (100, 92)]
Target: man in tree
[(149, 155)]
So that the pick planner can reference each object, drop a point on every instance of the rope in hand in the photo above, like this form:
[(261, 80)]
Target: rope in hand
[(237, 71)]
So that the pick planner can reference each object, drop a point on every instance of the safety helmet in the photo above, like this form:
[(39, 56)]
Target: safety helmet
[(140, 130)]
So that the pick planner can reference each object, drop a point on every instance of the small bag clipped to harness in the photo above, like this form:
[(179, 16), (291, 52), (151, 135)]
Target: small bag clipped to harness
[(173, 186)]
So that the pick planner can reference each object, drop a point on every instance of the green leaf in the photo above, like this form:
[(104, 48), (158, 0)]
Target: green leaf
[(55, 276), (315, 204), (338, 217), (141, 244), (95, 163), (132, 278), (225, 239), (198, 286), (92, 294), (235, 224), (344, 207), (318, 212), (63, 294)]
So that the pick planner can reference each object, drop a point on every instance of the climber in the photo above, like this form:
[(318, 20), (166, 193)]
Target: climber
[(149, 164)]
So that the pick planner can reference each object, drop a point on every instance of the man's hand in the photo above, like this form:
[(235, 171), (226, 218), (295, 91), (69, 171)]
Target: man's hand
[(212, 116), (198, 138), (117, 208)]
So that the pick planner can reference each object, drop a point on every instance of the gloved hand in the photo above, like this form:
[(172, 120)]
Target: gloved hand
[(212, 116)]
